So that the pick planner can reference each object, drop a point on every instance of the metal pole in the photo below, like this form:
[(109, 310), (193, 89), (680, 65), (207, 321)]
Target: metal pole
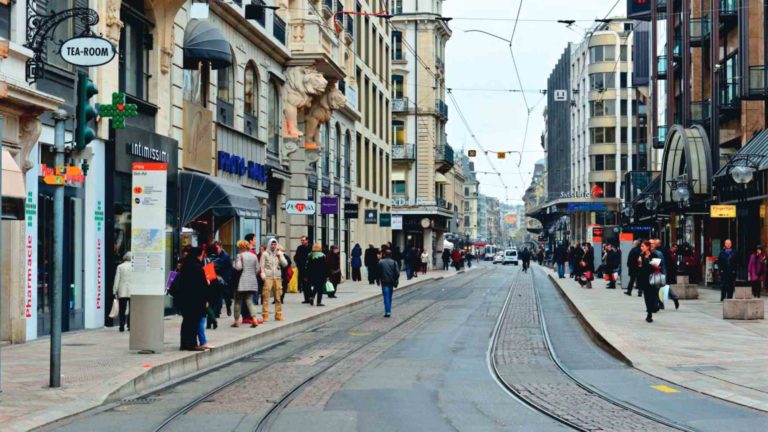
[(2, 124), (60, 116)]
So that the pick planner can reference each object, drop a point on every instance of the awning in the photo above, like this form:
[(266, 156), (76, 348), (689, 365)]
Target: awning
[(754, 153), (398, 175), (205, 43), (13, 178), (439, 178), (200, 193)]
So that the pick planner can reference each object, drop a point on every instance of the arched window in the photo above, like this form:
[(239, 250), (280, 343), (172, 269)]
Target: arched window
[(273, 117), (348, 157), (338, 151), (251, 99)]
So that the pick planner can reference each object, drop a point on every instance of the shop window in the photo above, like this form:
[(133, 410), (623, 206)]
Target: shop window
[(196, 84), (251, 99), (398, 130), (273, 119), (135, 44), (347, 157), (397, 86), (225, 94), (5, 21)]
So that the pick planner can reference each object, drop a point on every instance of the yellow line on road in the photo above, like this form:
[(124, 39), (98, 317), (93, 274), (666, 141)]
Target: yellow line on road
[(665, 389), (359, 334)]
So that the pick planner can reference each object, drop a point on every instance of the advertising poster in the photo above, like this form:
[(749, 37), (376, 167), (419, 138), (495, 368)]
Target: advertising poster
[(148, 206)]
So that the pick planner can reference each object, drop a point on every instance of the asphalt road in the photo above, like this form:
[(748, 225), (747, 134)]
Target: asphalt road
[(424, 369)]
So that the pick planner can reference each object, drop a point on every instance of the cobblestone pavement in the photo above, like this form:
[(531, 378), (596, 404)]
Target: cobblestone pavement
[(524, 363)]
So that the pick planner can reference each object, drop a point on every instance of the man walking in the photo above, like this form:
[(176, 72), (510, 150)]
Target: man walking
[(726, 264), (612, 264), (632, 257), (300, 257), (389, 274), (272, 261), (371, 260), (526, 258), (560, 258)]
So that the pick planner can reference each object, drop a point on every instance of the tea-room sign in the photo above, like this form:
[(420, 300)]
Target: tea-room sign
[(87, 51)]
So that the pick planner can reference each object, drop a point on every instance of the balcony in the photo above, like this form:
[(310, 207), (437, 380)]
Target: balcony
[(338, 16), (700, 29), (327, 9), (400, 105), (441, 108), (404, 152), (757, 81), (256, 11), (349, 32), (729, 15), (677, 49), (278, 29), (444, 158), (661, 62), (701, 111), (729, 97), (661, 137)]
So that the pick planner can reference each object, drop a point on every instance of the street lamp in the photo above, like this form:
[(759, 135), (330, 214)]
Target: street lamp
[(681, 194), (742, 174)]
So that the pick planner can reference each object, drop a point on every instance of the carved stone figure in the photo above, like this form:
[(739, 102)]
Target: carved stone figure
[(113, 22), (31, 127), (320, 112), (303, 82)]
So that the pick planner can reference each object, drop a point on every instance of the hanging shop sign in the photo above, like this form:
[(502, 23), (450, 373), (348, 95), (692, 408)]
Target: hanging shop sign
[(148, 207), (351, 210), (329, 205), (239, 166), (722, 211), (87, 51), (397, 222), (300, 207), (385, 220), (62, 175), (371, 216)]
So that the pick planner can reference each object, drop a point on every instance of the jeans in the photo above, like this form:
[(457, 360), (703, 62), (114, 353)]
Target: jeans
[(726, 289), (561, 270), (386, 292), (201, 332), (469, 263), (446, 265), (408, 272)]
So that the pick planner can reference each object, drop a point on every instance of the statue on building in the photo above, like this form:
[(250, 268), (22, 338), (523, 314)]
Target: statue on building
[(303, 82), (320, 112)]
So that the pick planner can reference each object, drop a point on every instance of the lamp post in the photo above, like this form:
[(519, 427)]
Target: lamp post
[(681, 194), (742, 175)]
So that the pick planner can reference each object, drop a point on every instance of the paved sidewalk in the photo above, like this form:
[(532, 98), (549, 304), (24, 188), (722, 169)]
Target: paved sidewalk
[(97, 366), (693, 347)]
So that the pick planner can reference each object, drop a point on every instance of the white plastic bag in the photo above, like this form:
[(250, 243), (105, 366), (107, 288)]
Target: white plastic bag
[(664, 293), (115, 311)]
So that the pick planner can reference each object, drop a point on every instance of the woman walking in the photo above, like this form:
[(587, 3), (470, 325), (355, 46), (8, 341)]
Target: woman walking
[(333, 261), (645, 270), (756, 269), (424, 261), (317, 273), (245, 278), (357, 263), (191, 299), (122, 290)]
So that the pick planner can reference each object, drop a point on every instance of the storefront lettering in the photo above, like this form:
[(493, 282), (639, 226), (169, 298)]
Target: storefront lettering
[(146, 152), (98, 274), (238, 166), (28, 306)]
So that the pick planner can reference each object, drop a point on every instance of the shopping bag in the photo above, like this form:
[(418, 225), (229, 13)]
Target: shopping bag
[(329, 289), (664, 293), (293, 284), (607, 277), (210, 272), (115, 311), (615, 276), (171, 276)]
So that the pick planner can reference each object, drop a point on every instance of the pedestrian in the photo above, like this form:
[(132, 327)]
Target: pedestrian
[(726, 264), (122, 290), (408, 259), (333, 261), (415, 262), (456, 257), (271, 264), (190, 298), (589, 258), (561, 256), (286, 273), (246, 272), (612, 265), (317, 273), (215, 291), (632, 268), (757, 269), (446, 259), (470, 257), (371, 260), (300, 257), (525, 256), (644, 272), (224, 269), (357, 262), (390, 278), (424, 261), (657, 252), (397, 255)]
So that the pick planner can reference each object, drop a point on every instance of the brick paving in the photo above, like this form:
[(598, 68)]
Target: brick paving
[(523, 362)]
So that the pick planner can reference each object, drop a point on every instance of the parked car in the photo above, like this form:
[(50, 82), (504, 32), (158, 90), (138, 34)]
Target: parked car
[(510, 256), (498, 258)]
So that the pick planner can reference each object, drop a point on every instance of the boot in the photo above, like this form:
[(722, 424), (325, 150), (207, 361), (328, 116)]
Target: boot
[(278, 316), (265, 317), (649, 318)]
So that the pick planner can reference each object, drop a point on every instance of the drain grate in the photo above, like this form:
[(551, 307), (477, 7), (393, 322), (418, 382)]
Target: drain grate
[(698, 368), (140, 401)]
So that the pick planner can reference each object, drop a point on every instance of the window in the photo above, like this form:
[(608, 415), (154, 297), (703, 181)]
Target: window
[(603, 135), (251, 90), (397, 7), (623, 53), (398, 130), (62, 32), (602, 53), (397, 45), (196, 84), (5, 21), (397, 86), (602, 108), (398, 187), (602, 81), (135, 44), (338, 151), (360, 158), (226, 84), (623, 79), (273, 117), (325, 146), (348, 157)]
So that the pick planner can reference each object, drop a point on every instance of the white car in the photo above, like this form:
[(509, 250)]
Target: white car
[(498, 258), (510, 256)]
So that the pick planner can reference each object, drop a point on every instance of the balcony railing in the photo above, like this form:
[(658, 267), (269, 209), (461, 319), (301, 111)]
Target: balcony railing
[(729, 7), (699, 30), (400, 105), (729, 96), (701, 111), (403, 152), (662, 66), (661, 137), (757, 82), (444, 153), (677, 49), (278, 29), (441, 108)]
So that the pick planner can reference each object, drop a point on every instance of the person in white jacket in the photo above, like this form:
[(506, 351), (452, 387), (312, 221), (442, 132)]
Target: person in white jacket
[(272, 263), (122, 290)]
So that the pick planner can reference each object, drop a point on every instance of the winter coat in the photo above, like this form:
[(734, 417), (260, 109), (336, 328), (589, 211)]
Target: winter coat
[(613, 261), (333, 261), (589, 259), (632, 257), (271, 263), (446, 255), (726, 264), (316, 270), (193, 288), (424, 257), (224, 266), (248, 264), (756, 267), (284, 271), (389, 272), (357, 253), (561, 254), (300, 257), (370, 258), (123, 280), (456, 256)]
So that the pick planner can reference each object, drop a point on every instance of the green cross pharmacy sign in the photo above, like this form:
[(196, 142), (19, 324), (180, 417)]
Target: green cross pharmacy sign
[(118, 111)]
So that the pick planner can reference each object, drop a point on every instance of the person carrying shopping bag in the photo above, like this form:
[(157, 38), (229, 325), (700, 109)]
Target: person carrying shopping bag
[(333, 260), (245, 278), (317, 273), (122, 290)]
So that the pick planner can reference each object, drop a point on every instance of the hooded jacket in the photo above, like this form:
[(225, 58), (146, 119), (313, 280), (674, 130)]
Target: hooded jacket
[(357, 253), (272, 262)]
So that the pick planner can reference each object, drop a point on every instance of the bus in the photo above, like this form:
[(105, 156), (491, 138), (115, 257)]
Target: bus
[(490, 252)]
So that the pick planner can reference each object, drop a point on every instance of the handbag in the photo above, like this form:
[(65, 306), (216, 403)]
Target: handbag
[(329, 289), (210, 272), (115, 311), (657, 280)]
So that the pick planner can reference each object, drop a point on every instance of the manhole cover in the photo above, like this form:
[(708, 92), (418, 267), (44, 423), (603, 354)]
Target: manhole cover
[(140, 401)]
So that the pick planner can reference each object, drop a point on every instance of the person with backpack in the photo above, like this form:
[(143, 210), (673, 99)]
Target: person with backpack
[(333, 261)]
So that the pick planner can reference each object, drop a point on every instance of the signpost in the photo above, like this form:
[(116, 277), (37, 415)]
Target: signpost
[(385, 220), (118, 111), (722, 211), (351, 210), (397, 222)]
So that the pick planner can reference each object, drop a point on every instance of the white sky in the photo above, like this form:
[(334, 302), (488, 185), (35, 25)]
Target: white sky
[(474, 60)]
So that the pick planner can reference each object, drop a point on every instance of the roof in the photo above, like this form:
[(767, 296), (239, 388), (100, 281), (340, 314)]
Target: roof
[(754, 153)]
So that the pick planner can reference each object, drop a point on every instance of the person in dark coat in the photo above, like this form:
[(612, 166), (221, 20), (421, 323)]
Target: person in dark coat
[(223, 265), (589, 257), (612, 265), (644, 271), (577, 255), (357, 262), (408, 258), (300, 257), (370, 260), (286, 273), (632, 268), (333, 262), (525, 257), (191, 298), (726, 266), (390, 277), (446, 259), (670, 257), (560, 258), (317, 273)]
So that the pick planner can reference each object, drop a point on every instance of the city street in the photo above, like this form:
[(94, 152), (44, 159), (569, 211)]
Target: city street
[(464, 353)]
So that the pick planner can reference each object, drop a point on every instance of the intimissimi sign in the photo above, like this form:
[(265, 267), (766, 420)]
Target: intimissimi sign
[(138, 149)]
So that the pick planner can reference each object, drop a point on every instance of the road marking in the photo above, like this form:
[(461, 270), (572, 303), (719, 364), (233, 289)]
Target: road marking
[(665, 389), (359, 334)]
